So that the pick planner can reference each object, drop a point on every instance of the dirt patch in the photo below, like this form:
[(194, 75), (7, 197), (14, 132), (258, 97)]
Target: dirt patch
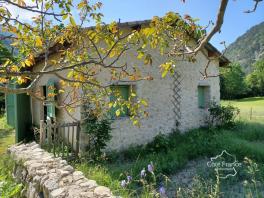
[(230, 188), (184, 178)]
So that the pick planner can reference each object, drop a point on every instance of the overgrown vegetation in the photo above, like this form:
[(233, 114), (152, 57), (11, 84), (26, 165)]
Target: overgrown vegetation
[(201, 188), (99, 133), (222, 116), (6, 135), (8, 187), (245, 139), (170, 153)]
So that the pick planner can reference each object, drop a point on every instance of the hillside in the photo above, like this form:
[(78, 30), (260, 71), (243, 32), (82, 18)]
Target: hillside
[(248, 48)]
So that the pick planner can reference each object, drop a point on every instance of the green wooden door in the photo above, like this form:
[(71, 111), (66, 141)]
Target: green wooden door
[(23, 119), (10, 109), (18, 110)]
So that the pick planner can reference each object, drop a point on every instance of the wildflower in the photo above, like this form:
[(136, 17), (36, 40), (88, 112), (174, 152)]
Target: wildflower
[(143, 173), (162, 191), (123, 183), (129, 179), (151, 167)]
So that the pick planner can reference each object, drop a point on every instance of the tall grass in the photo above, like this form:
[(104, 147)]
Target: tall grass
[(8, 187), (7, 137), (246, 139)]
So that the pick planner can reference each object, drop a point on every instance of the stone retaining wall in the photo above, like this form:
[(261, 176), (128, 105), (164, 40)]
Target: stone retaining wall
[(49, 177)]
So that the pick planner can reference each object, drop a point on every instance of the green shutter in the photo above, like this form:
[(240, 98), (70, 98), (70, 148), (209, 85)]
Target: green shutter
[(50, 90), (201, 97), (10, 109), (124, 92), (19, 114)]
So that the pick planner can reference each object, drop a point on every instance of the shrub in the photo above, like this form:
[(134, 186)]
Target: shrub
[(8, 187), (201, 188), (99, 132), (159, 144), (222, 116), (145, 184)]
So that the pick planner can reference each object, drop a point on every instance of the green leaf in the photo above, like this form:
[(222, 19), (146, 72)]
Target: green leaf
[(70, 74), (110, 104), (140, 55), (72, 21), (47, 6), (133, 94), (164, 73), (65, 16), (118, 112), (135, 122), (38, 42), (81, 5), (112, 54), (28, 63), (144, 102)]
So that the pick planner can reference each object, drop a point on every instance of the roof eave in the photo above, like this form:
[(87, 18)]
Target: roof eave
[(223, 61)]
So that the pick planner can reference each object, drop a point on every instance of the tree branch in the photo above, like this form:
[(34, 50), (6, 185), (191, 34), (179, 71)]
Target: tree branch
[(216, 28), (255, 6), (31, 9)]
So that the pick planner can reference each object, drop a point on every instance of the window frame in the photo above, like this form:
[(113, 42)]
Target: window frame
[(50, 101), (203, 100), (112, 113)]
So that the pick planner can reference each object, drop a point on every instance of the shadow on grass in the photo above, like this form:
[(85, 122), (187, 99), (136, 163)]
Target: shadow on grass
[(4, 133)]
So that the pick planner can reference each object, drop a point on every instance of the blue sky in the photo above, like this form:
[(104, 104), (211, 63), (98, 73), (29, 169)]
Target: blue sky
[(236, 21)]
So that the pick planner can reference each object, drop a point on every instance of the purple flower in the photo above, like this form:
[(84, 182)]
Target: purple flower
[(150, 168), (143, 173), (162, 191), (123, 183), (129, 179)]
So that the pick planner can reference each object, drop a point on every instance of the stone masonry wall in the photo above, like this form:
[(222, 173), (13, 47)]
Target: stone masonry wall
[(159, 93), (47, 177)]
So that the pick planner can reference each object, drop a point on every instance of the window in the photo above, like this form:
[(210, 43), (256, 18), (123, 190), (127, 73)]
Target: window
[(203, 96), (123, 92), (50, 97)]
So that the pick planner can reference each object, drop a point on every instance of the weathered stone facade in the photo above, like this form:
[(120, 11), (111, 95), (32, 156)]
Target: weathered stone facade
[(47, 177), (160, 94)]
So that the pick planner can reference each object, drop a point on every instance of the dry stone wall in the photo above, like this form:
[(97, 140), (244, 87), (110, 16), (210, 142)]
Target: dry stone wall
[(47, 177)]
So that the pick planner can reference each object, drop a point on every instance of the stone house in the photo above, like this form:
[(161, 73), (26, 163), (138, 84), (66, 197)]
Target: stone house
[(175, 102)]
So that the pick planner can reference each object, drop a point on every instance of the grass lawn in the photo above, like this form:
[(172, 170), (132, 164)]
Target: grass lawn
[(7, 135), (245, 105), (170, 154), (245, 140), (8, 187)]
